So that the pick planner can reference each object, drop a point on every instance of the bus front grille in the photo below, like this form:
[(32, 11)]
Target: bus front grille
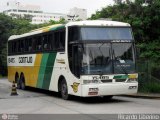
[(106, 81), (120, 80)]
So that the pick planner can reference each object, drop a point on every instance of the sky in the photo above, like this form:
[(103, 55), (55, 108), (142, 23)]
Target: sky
[(63, 6)]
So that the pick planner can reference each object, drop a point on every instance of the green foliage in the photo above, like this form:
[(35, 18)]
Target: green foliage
[(6, 24), (148, 75), (144, 19), (21, 26), (61, 21), (152, 87), (11, 26), (150, 51)]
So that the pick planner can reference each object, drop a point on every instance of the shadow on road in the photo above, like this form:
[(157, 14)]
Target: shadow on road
[(96, 100)]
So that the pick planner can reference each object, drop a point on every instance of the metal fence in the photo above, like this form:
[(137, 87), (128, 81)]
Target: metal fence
[(149, 76)]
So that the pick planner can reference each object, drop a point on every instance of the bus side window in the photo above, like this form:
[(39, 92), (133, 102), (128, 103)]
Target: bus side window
[(50, 38), (56, 38), (37, 43), (20, 44), (73, 34), (14, 47), (62, 40), (59, 38), (9, 47), (53, 41), (46, 42), (28, 44)]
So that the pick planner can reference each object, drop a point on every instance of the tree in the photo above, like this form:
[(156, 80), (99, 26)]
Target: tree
[(6, 24), (61, 21), (10, 26)]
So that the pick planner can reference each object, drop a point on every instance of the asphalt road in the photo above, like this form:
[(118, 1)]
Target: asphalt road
[(34, 101)]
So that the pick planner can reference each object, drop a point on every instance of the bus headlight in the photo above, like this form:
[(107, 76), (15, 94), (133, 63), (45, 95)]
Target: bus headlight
[(90, 81)]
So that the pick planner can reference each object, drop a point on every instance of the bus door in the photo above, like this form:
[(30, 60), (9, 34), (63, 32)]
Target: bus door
[(76, 58)]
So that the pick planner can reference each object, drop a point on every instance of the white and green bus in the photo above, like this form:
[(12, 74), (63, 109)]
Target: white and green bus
[(83, 58)]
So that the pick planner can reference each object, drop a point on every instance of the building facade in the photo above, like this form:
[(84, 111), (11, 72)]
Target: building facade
[(32, 12), (37, 16), (76, 14)]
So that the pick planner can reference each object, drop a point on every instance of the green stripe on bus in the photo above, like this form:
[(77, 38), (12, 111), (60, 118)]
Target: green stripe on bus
[(48, 71), (57, 28), (42, 70), (120, 77)]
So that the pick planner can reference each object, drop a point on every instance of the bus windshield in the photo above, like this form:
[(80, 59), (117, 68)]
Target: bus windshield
[(106, 33), (107, 58)]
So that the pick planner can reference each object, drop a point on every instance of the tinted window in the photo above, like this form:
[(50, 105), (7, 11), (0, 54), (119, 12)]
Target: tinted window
[(20, 45), (102, 33), (9, 47), (47, 42), (62, 40), (59, 38), (73, 34), (37, 43), (28, 44), (14, 50)]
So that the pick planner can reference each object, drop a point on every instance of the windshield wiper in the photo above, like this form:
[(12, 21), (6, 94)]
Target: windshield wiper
[(122, 68), (100, 48)]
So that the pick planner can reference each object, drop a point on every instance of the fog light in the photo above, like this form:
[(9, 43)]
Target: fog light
[(132, 87), (132, 80)]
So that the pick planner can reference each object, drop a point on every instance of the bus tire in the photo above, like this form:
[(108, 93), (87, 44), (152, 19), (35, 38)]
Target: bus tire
[(17, 80), (64, 90), (22, 82)]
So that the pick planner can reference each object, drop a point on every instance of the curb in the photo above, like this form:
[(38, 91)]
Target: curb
[(145, 96)]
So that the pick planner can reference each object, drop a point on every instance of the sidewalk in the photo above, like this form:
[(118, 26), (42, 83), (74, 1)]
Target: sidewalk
[(145, 95)]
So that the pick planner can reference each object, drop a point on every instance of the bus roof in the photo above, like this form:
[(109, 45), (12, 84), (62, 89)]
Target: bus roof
[(98, 23), (38, 31), (76, 23)]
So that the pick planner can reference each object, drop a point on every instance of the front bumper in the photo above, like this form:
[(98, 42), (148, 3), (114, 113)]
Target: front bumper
[(108, 89)]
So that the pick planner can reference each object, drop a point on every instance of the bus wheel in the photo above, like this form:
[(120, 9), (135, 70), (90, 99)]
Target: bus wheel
[(17, 81), (22, 82), (64, 90)]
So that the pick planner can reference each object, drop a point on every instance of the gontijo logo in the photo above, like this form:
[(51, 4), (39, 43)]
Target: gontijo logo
[(75, 86)]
